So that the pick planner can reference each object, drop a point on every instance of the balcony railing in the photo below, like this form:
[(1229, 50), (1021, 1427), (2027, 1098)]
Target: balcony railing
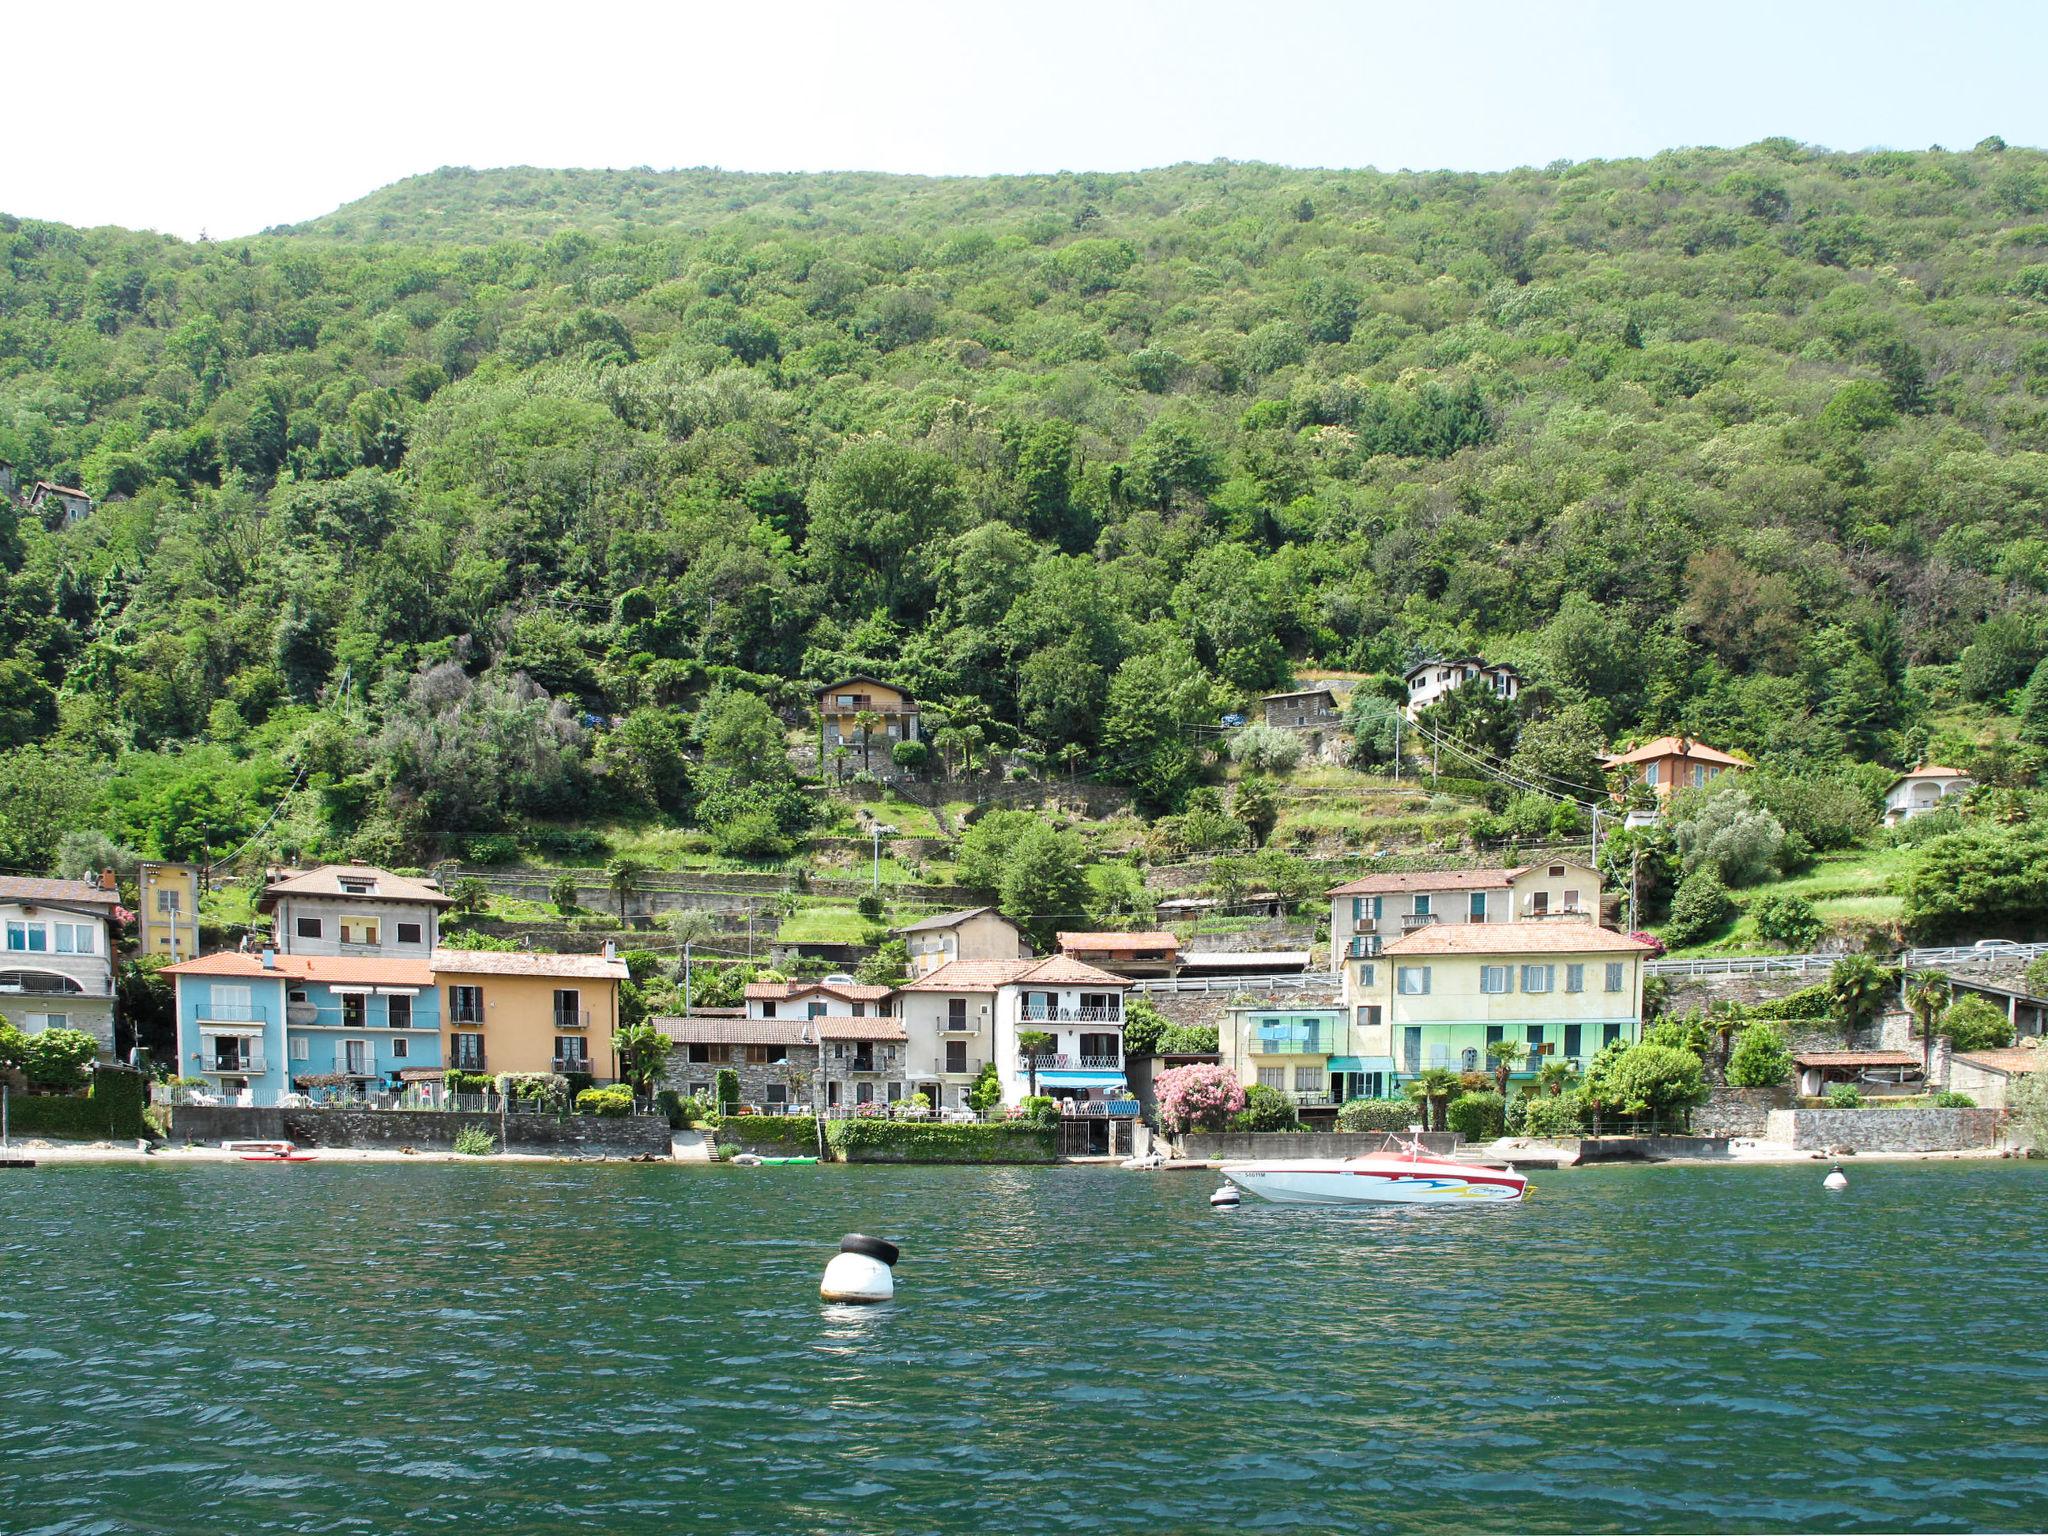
[(1410, 920), (1055, 1061), (1040, 1012), (471, 1061), (233, 1066), (1363, 946), (960, 1026), (572, 1018), (233, 1013), (572, 1064), (1097, 1109), (468, 1016), (1310, 1044)]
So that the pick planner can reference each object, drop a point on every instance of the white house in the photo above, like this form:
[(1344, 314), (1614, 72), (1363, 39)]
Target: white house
[(1429, 681), (1925, 788), (972, 1012), (353, 909), (58, 972), (834, 997)]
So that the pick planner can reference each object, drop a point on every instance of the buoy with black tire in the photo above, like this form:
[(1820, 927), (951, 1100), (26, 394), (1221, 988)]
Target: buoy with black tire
[(861, 1271), (1835, 1180), (1225, 1198)]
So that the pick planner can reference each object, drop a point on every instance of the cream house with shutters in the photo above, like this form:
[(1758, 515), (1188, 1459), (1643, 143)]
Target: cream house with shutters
[(1369, 913), (353, 909)]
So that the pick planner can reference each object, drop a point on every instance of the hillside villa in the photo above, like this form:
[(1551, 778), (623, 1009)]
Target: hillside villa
[(1922, 789), (1429, 681), (977, 933), (840, 708), (353, 909), (1672, 763)]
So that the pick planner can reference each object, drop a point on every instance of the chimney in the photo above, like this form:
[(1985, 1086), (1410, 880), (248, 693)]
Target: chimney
[(108, 882), (269, 958), (610, 950)]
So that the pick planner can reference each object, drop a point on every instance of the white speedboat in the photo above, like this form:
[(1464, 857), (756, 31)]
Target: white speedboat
[(1401, 1173)]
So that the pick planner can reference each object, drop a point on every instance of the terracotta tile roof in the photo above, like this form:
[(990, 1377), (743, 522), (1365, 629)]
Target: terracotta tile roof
[(52, 488), (1928, 771), (830, 1027), (970, 976), (851, 991), (1427, 880), (698, 1029), (1118, 943), (941, 920), (1676, 746), (326, 881), (526, 962), (1066, 971), (1857, 1058), (1561, 937), (71, 893), (370, 969), (2007, 1059)]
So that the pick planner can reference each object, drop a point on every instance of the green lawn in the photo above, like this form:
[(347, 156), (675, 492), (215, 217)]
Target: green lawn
[(1851, 888), (824, 925)]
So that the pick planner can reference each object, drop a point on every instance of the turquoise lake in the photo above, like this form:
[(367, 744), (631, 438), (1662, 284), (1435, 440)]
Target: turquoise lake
[(616, 1348)]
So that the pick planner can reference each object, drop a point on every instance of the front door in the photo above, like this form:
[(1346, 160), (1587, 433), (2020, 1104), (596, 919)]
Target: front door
[(356, 1057), (1411, 1049)]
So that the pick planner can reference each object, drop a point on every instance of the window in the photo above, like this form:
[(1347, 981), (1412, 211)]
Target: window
[(832, 1095), (1368, 1015), (815, 1010), (1575, 978), (465, 1005), (767, 1055), (956, 1013), (956, 1055), (1571, 899), (301, 1048), (1478, 906), (355, 1010), (1650, 774), (700, 1090), (400, 1049), (410, 933), (895, 1093), (697, 1052), (468, 1051), (1357, 910), (1307, 1079), (229, 1001), (863, 1093), (400, 1016), (359, 930), (1379, 907), (1574, 1040), (776, 1093), (27, 936), (568, 1008), (860, 1010), (767, 1007), (1421, 906), (1273, 1077), (1495, 1032), (74, 938), (168, 901), (1538, 978), (1412, 980), (1365, 975), (1557, 871), (1609, 1033), (1614, 968), (307, 927), (571, 1052), (1496, 978)]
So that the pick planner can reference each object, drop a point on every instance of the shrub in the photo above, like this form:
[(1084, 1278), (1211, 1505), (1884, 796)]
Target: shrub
[(1041, 1109), (1788, 920), (1187, 1039), (1479, 1116), (613, 1103), (910, 755), (1265, 748), (1197, 1098), (467, 1082), (1376, 1115), (725, 1088), (875, 1140), (1562, 1114), (869, 905), (562, 892), (1954, 1101), (475, 1141), (672, 1104), (1699, 910), (1845, 1096), (1975, 1023), (1723, 830), (492, 848), (1144, 1027), (1266, 1109), (1644, 1079), (60, 1060), (1759, 1059)]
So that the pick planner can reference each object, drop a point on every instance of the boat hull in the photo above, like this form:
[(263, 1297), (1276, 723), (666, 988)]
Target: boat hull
[(1375, 1181)]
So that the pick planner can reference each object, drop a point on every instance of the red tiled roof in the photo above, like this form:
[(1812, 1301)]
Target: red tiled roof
[(844, 1027), (526, 962), (1561, 937), (1427, 880), (781, 991), (1857, 1058), (1676, 746), (75, 893), (697, 1029), (325, 880), (2007, 1059), (373, 969)]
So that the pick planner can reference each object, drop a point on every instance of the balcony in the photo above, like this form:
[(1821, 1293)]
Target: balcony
[(466, 1018), (466, 1061), (235, 1066), (1410, 921), (233, 1013), (959, 1026), (567, 1064), (1038, 1013), (1311, 1043), (1058, 1061), (1363, 946), (572, 1018)]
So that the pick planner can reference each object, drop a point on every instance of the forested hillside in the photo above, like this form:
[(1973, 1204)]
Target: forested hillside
[(450, 508)]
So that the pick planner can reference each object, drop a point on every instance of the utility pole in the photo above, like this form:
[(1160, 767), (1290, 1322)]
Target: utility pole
[(1400, 720)]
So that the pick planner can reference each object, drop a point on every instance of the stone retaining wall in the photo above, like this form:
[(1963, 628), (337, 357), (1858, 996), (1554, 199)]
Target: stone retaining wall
[(1738, 1111), (1251, 1146), (1886, 1130), (390, 1129)]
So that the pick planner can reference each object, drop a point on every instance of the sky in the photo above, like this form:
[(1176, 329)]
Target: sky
[(225, 118)]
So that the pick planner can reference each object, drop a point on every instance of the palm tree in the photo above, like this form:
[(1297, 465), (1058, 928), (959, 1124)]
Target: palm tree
[(688, 926), (1724, 1019), (1031, 1043), (1506, 1055), (840, 753), (1927, 995), (1555, 1076), (621, 876), (1433, 1089), (1857, 988), (865, 722), (1070, 754)]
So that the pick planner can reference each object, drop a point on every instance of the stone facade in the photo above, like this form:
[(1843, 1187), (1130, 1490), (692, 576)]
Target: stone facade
[(1886, 1130), (391, 1129), (796, 1077), (1738, 1111)]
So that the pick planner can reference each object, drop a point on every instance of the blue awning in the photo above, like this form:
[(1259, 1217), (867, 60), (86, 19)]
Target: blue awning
[(1361, 1063), (1070, 1078)]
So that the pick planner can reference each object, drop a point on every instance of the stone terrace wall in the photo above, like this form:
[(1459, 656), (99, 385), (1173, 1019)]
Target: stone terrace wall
[(390, 1129), (1251, 1146), (1886, 1130), (1738, 1111)]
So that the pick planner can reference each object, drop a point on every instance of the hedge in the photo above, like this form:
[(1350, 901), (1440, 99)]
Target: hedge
[(110, 1108), (768, 1131), (917, 1141)]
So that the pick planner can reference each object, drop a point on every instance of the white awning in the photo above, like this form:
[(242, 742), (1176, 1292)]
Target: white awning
[(341, 991), (395, 991), (234, 1031)]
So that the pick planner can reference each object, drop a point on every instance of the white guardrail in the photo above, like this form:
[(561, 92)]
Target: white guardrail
[(1912, 959), (1236, 983)]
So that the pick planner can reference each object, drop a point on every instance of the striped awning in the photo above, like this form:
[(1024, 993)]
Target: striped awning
[(1069, 1078)]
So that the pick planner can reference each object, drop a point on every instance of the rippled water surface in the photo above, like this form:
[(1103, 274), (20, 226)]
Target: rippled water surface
[(626, 1349)]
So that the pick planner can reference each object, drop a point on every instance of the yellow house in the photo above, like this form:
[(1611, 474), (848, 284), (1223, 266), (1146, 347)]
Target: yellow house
[(513, 1011), (1561, 991), (840, 708), (167, 919)]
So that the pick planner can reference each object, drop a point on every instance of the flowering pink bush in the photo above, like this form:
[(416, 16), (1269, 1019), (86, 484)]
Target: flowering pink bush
[(1198, 1098)]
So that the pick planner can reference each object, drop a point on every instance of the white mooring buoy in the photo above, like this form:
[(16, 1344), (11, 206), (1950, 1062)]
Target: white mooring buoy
[(1225, 1197), (861, 1270), (1835, 1180)]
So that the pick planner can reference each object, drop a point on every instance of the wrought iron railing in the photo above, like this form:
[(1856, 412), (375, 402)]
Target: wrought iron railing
[(1039, 1012)]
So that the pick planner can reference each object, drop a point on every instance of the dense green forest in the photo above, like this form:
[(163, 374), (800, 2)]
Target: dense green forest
[(497, 498)]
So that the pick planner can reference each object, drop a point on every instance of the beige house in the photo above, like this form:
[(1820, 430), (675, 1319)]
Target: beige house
[(1922, 789), (353, 909), (1370, 913), (1989, 1076), (1124, 954), (840, 708), (978, 933)]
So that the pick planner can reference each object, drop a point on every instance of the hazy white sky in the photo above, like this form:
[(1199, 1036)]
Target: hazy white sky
[(228, 117)]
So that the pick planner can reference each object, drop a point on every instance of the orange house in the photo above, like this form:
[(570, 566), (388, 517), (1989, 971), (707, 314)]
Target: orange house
[(840, 707), (1672, 763)]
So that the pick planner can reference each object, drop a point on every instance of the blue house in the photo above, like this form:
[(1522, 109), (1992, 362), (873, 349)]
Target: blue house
[(260, 1026)]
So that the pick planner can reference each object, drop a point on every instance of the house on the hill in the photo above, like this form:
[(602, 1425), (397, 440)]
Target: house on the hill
[(59, 969), (978, 933), (1672, 763), (353, 909), (1922, 789), (841, 709), (1429, 681), (58, 505), (1124, 954), (1302, 708), (1370, 913)]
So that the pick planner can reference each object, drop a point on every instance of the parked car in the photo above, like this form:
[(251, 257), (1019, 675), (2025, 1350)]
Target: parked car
[(1992, 946), (1233, 721)]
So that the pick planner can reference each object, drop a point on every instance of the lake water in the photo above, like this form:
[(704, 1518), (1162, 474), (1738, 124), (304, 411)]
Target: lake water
[(612, 1349)]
